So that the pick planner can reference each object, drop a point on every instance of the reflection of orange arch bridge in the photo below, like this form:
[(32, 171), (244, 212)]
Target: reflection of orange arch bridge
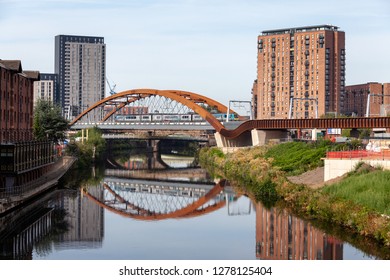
[(117, 202), (249, 133)]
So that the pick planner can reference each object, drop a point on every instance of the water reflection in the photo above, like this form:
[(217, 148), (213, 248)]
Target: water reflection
[(282, 236), (151, 160), (18, 234), (192, 218), (85, 220), (158, 200)]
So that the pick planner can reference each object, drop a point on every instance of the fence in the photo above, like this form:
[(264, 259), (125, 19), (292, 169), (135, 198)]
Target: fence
[(356, 154), (58, 169)]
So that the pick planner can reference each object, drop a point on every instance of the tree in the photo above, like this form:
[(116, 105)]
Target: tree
[(49, 124), (95, 142)]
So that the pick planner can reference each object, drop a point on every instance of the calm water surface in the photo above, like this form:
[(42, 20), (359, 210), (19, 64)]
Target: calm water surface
[(180, 214)]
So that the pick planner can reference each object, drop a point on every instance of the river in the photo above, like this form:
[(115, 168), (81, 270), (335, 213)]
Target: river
[(179, 213)]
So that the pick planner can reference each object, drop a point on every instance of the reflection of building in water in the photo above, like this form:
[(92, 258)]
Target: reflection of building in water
[(19, 234), (85, 219), (281, 236)]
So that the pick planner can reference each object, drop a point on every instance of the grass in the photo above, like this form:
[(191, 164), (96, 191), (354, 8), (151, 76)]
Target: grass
[(297, 157), (369, 189)]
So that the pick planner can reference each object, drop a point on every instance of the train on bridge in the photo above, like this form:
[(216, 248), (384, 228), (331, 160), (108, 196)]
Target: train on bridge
[(170, 117)]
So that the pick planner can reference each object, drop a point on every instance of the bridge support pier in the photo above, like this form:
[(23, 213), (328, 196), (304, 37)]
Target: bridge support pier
[(244, 140), (262, 137), (254, 137)]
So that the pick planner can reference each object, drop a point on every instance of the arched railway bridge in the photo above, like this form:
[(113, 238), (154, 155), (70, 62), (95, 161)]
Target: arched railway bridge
[(178, 109)]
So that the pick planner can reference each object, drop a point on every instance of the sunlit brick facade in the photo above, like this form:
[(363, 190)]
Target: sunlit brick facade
[(300, 72), (376, 95)]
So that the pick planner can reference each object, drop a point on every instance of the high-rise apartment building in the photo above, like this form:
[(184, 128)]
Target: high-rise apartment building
[(300, 72), (80, 62), (46, 88)]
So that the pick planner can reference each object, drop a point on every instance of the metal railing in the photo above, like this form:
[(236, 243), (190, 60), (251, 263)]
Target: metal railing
[(23, 189)]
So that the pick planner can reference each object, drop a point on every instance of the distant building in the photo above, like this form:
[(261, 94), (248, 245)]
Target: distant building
[(46, 88), (375, 95), (300, 72), (128, 110), (80, 62)]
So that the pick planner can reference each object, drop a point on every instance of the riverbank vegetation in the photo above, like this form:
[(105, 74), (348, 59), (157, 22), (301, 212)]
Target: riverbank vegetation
[(90, 150), (262, 172), (367, 186)]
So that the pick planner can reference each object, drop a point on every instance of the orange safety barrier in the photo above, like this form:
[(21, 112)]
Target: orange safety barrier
[(359, 154)]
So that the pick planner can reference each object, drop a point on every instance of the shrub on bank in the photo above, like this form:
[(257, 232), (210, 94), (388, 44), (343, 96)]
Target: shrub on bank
[(298, 157)]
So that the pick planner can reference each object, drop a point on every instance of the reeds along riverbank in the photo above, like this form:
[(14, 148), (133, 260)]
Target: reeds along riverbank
[(265, 181)]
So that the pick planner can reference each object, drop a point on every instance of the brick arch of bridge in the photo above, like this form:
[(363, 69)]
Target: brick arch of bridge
[(186, 98)]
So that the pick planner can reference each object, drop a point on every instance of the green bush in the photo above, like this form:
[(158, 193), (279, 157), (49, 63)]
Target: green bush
[(298, 157)]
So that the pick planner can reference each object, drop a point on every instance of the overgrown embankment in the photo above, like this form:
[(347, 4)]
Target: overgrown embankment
[(262, 172)]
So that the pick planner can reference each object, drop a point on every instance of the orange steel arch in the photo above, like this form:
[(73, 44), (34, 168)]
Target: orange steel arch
[(186, 212), (186, 98)]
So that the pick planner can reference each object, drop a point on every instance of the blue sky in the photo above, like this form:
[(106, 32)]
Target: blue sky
[(204, 46)]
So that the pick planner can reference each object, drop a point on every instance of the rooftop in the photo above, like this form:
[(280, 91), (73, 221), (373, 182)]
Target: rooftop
[(14, 65), (32, 74), (301, 29)]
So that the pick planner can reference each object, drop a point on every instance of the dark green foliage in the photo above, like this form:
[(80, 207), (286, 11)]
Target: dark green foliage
[(48, 122), (298, 157)]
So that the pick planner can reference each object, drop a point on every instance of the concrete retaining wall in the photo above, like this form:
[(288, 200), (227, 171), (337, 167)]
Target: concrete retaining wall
[(338, 167)]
